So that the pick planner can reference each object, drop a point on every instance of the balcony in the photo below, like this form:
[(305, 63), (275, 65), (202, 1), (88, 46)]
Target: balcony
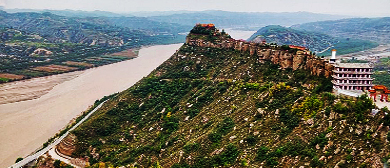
[(352, 78), (351, 84), (351, 72)]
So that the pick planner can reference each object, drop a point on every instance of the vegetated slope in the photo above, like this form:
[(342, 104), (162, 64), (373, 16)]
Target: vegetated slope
[(90, 31), (143, 23), (28, 55), (381, 72), (373, 29), (248, 20), (30, 40), (316, 42), (210, 107)]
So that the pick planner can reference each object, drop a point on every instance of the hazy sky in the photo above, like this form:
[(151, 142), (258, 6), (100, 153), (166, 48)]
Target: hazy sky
[(347, 7)]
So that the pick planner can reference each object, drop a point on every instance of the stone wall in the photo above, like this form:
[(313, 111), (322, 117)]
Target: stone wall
[(301, 59)]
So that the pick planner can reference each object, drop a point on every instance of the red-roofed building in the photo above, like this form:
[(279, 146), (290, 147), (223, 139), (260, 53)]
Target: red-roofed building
[(210, 25), (380, 90), (297, 47)]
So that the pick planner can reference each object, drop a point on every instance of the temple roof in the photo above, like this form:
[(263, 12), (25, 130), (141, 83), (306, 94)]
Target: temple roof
[(353, 65), (379, 87)]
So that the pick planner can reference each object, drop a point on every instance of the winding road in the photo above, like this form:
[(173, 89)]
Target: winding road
[(36, 155)]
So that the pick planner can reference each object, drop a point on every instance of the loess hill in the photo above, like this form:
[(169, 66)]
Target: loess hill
[(214, 107)]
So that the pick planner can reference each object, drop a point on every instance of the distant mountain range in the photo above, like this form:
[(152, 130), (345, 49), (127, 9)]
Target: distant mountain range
[(318, 42), (90, 30), (248, 20), (373, 29), (245, 20), (311, 30)]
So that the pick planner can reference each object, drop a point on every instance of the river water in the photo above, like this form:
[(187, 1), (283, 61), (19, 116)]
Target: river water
[(26, 125)]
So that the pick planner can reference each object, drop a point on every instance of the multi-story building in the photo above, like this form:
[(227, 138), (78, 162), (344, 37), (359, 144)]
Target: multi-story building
[(348, 77), (352, 76)]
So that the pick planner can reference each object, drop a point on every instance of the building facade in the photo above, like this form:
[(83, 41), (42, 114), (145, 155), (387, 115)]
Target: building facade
[(352, 76)]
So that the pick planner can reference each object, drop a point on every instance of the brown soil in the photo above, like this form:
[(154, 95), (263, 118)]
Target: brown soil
[(84, 64), (127, 53), (54, 68), (66, 146), (11, 76)]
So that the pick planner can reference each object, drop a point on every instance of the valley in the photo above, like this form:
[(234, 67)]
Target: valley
[(68, 98), (258, 92)]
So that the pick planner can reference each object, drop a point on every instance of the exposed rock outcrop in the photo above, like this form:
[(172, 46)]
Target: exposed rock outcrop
[(42, 52), (294, 59)]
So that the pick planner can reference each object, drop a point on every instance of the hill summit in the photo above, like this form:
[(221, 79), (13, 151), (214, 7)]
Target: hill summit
[(215, 103)]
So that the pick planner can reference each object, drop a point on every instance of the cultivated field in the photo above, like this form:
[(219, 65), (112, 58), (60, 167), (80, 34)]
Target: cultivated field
[(126, 53), (73, 63), (11, 76), (54, 68)]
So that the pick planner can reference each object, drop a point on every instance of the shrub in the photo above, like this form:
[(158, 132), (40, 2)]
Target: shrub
[(288, 118), (251, 140), (226, 126), (349, 157), (244, 162), (309, 107), (182, 165), (228, 156), (340, 108), (18, 159), (170, 124), (315, 162), (327, 111), (272, 162), (262, 153), (215, 137), (320, 140), (328, 97), (193, 147)]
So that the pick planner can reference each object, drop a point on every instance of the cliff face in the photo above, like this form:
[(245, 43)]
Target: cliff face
[(286, 58)]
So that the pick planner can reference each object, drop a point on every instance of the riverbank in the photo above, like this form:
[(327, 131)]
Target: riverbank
[(32, 88), (26, 125)]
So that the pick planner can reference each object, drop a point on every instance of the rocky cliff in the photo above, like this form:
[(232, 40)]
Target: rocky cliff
[(284, 56)]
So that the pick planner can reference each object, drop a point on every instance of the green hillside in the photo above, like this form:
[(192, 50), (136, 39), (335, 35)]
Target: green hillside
[(92, 30), (317, 42), (372, 29), (210, 107), (31, 40)]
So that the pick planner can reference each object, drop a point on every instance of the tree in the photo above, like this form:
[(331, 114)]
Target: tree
[(18, 159)]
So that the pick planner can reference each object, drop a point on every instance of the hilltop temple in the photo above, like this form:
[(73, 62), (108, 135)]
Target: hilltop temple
[(351, 79)]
